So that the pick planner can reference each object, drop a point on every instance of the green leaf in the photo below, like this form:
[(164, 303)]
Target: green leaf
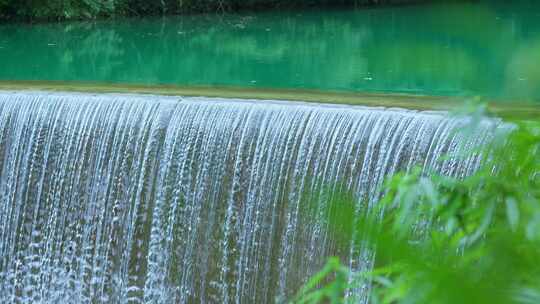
[(512, 212)]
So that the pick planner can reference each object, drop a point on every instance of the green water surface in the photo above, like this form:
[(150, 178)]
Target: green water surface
[(465, 49)]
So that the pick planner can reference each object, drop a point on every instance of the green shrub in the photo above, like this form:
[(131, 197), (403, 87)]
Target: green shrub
[(86, 9), (447, 240)]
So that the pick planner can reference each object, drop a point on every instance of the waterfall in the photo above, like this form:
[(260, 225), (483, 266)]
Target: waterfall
[(152, 199)]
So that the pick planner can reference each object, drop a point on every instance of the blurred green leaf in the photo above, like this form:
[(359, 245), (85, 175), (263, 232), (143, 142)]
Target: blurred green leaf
[(458, 240)]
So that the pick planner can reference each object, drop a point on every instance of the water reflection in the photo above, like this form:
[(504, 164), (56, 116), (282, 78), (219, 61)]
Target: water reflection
[(458, 49)]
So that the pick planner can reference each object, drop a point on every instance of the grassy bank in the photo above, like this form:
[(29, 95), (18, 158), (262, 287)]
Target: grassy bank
[(52, 10)]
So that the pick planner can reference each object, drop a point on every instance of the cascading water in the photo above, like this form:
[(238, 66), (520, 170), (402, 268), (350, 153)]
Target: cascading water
[(130, 198)]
